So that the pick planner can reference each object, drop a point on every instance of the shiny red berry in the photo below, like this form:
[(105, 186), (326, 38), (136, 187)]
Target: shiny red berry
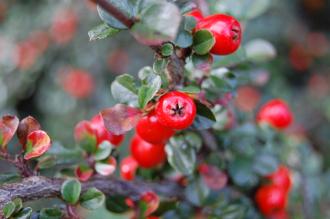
[(271, 199), (128, 167), (226, 31), (150, 130), (176, 110), (147, 155), (281, 178), (277, 113), (196, 13)]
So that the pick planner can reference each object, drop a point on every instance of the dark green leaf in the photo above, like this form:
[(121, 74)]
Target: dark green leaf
[(265, 164), (203, 42), (189, 23), (159, 23), (124, 90), (191, 89), (102, 31), (197, 192), (70, 191), (92, 199), (8, 177), (58, 155), (116, 204), (50, 213), (241, 171), (18, 204), (8, 209), (103, 151), (184, 39), (128, 7), (181, 155), (204, 117), (230, 60), (25, 213)]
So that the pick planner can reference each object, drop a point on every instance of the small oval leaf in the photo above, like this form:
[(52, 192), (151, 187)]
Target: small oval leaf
[(70, 191)]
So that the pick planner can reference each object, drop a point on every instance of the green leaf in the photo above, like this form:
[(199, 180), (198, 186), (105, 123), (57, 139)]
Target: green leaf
[(8, 177), (236, 58), (159, 66), (50, 213), (191, 89), (181, 155), (203, 42), (202, 62), (59, 155), (167, 49), (184, 39), (127, 7), (116, 204), (18, 204), (146, 93), (159, 22), (102, 31), (197, 192), (25, 213), (265, 164), (124, 90), (8, 209), (103, 151), (104, 168), (241, 171), (70, 191), (242, 9), (92, 199), (189, 23), (259, 50), (204, 117)]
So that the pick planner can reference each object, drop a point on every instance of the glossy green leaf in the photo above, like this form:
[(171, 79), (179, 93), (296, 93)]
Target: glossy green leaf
[(102, 31), (181, 155), (70, 191), (197, 192), (124, 90), (203, 42), (116, 204), (103, 151), (127, 7), (50, 213), (25, 213), (92, 199), (167, 49), (204, 117), (160, 21), (8, 209)]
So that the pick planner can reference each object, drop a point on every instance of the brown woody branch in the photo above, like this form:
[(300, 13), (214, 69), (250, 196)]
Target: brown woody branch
[(38, 187)]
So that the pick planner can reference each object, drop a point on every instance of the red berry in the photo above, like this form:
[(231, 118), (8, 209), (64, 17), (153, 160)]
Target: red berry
[(150, 130), (83, 173), (226, 31), (64, 26), (279, 215), (281, 178), (277, 113), (196, 13), (128, 167), (102, 134), (176, 110), (147, 155), (152, 201), (270, 199)]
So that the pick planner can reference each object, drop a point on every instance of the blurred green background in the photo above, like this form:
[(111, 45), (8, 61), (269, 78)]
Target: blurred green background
[(49, 69)]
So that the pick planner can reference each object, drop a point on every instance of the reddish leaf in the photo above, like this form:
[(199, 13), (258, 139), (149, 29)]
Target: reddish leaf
[(38, 142), (8, 127), (26, 126), (85, 136), (213, 177), (83, 173), (152, 201), (120, 118)]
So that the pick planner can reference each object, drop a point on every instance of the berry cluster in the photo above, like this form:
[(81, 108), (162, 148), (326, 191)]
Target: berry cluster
[(272, 197), (174, 111)]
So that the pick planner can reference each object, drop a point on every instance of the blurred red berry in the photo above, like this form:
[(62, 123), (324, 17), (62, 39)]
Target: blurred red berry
[(281, 178), (64, 26), (247, 99), (128, 167), (77, 82), (118, 61), (147, 155), (283, 214), (25, 55), (271, 199), (300, 59), (225, 29), (276, 113)]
